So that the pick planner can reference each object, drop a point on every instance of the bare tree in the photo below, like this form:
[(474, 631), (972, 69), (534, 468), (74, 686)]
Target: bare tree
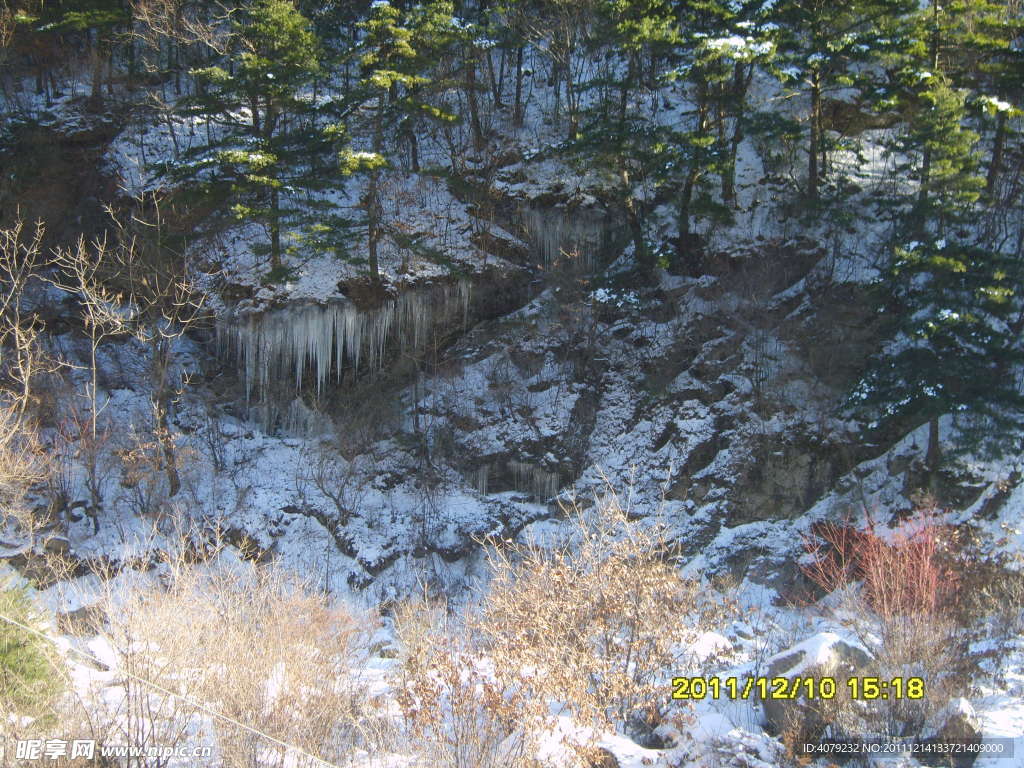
[(19, 330), (339, 479), (21, 461), (560, 36), (81, 271), (170, 27), (165, 304), (137, 288)]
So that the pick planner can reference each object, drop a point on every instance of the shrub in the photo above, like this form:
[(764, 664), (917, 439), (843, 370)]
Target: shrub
[(254, 644), (900, 594), (593, 628), (911, 573), (457, 709), (600, 624)]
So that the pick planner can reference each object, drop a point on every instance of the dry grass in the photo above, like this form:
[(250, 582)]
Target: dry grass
[(457, 709), (253, 644), (260, 647)]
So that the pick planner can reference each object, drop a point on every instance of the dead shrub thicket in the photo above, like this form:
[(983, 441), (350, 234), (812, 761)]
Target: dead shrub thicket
[(602, 623), (254, 644), (338, 479), (134, 287), (596, 627), (145, 487), (264, 650), (22, 464), (457, 710)]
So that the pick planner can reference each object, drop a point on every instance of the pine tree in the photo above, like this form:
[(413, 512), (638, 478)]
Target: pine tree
[(954, 344), (616, 135), (968, 50), (96, 22), (262, 162), (823, 45), (948, 169), (391, 94), (956, 303), (722, 43), (990, 61), (562, 31), (27, 679)]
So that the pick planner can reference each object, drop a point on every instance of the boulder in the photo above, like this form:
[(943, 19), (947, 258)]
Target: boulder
[(57, 545), (823, 655), (956, 723), (602, 758)]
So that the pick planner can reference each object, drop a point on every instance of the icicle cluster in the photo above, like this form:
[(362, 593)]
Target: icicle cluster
[(556, 232), (288, 342), (526, 478), (482, 478), (529, 478)]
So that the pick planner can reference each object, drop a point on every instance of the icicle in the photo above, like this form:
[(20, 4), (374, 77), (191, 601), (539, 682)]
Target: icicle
[(287, 342), (528, 478), (557, 231), (482, 478)]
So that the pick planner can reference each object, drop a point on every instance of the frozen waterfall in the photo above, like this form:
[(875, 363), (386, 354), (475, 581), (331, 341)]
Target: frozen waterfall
[(525, 477), (559, 234), (293, 341)]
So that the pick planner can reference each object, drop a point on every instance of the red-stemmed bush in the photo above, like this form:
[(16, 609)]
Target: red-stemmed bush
[(909, 571)]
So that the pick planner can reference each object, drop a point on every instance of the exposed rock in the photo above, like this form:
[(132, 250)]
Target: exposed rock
[(785, 479), (602, 758), (957, 723), (249, 548), (823, 655), (57, 545), (83, 622)]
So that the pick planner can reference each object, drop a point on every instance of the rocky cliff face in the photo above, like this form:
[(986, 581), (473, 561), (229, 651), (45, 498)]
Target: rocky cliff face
[(712, 399)]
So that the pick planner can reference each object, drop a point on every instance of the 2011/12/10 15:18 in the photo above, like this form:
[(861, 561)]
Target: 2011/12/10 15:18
[(866, 688)]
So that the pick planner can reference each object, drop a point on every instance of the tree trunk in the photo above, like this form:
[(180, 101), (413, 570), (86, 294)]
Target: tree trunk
[(96, 97), (998, 145), (741, 82), (696, 168), (502, 71), (624, 92), (684, 202), (132, 65), (643, 256), (926, 153), (517, 111), (922, 193), (495, 83), (275, 228), (720, 114), (161, 398), (110, 71), (372, 227), (414, 152), (474, 107), (556, 82), (933, 457), (815, 138), (571, 107), (371, 202), (254, 109)]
